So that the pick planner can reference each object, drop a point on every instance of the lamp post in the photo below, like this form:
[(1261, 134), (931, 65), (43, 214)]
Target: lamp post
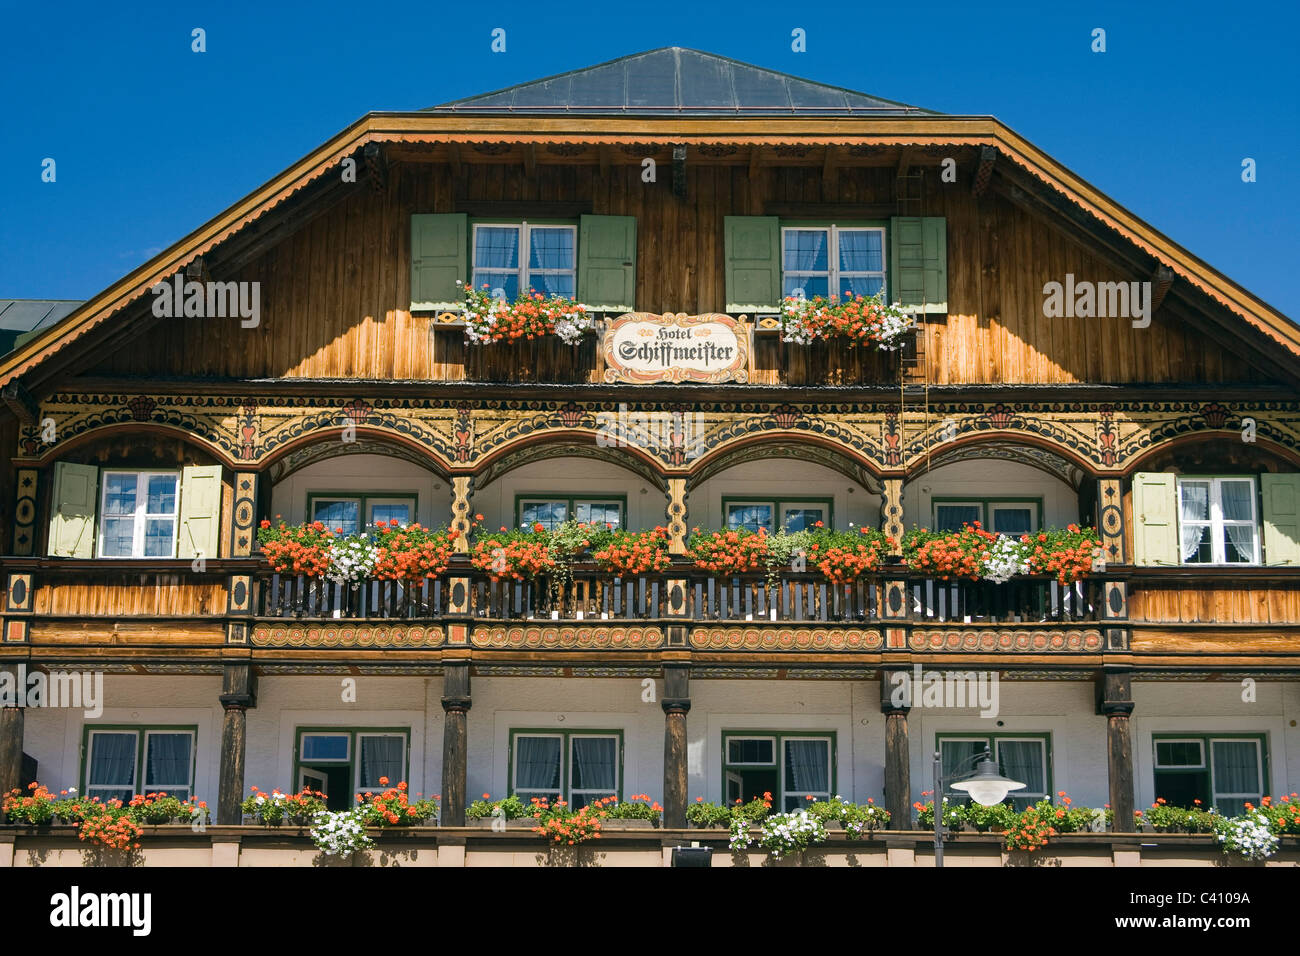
[(984, 784)]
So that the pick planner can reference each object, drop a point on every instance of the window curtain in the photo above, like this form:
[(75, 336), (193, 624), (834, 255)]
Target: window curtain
[(112, 760), (1236, 767), (382, 757), (1022, 760), (807, 768), (167, 760), (595, 765), (551, 249), (537, 764), (1194, 505), (958, 758), (1235, 497)]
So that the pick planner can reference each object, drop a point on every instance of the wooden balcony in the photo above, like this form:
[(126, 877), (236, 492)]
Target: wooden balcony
[(157, 604)]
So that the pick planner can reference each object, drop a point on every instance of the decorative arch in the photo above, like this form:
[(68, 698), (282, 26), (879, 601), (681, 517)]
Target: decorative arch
[(323, 443), (543, 446), (1050, 459), (113, 430), (800, 445), (1263, 451)]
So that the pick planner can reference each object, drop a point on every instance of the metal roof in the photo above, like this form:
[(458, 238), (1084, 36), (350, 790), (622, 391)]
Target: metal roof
[(678, 81), (20, 319)]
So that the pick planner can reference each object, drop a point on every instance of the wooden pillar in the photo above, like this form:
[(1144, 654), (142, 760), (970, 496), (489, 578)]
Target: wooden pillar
[(243, 515), (456, 703), (462, 517), (24, 526), (1115, 701), (676, 704), (898, 754), (891, 511), (676, 515), (11, 739), (238, 693), (1110, 519)]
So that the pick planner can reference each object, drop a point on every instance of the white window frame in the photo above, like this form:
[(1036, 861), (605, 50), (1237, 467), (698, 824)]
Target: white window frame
[(778, 763), (834, 273), (524, 229), (515, 736), (1217, 524), (588, 791), (302, 749), (141, 516), (168, 788), (986, 507), (786, 792), (570, 514), (780, 506), (774, 505), (92, 788), (365, 506), (394, 500), (356, 771), (750, 763), (1206, 744)]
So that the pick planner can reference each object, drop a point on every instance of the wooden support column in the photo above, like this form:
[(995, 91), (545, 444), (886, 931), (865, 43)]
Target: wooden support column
[(243, 515), (238, 693), (676, 515), (676, 704), (898, 753), (891, 511), (11, 738), (456, 702), (28, 480), (1115, 701), (462, 518)]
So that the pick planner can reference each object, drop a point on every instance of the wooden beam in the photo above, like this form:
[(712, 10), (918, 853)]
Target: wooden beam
[(376, 166), (530, 159), (453, 159), (238, 693), (513, 209), (456, 702), (679, 170), (21, 403), (828, 210), (830, 171), (984, 171), (676, 704), (606, 157), (1161, 280), (755, 161)]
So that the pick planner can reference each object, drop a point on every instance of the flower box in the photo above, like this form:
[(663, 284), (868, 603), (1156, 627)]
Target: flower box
[(608, 825)]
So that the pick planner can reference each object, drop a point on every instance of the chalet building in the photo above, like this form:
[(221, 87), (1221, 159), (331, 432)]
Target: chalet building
[(1063, 363)]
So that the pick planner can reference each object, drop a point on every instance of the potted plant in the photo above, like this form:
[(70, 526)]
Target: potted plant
[(638, 812), (855, 319), (508, 813)]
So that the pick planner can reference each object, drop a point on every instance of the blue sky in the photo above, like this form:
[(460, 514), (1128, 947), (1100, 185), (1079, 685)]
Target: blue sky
[(151, 139)]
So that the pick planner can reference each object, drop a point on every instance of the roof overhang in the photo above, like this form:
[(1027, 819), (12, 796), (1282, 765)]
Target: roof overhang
[(432, 128)]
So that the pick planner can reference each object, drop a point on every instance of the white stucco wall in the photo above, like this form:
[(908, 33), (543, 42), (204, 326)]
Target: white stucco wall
[(987, 478), (371, 474), (777, 477), (1063, 709)]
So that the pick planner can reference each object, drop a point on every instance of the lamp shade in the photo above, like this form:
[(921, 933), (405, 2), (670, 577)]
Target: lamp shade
[(987, 786)]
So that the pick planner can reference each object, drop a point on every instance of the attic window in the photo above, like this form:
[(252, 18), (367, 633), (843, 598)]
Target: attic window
[(549, 266)]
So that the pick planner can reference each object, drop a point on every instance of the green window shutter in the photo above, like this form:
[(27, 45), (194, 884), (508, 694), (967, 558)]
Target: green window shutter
[(1281, 495), (753, 251), (607, 263), (72, 510), (1155, 519), (439, 256), (918, 262), (200, 511)]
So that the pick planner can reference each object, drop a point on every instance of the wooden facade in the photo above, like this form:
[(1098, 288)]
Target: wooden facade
[(1090, 403)]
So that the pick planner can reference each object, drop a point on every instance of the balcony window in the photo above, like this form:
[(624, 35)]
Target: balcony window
[(579, 767), (790, 766), (123, 761), (1004, 516), (1225, 772), (1218, 520), (551, 511), (791, 514), (139, 511), (347, 511), (1024, 758), (341, 762), (826, 260), (548, 264)]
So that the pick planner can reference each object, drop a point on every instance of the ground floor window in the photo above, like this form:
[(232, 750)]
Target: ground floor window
[(120, 762), (789, 514), (790, 766), (1022, 757), (579, 767), (1224, 772), (341, 762), (354, 512), (551, 511)]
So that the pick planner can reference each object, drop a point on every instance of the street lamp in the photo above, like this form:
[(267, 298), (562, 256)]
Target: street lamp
[(984, 784)]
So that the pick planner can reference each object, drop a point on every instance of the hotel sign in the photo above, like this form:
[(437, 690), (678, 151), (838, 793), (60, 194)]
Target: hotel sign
[(642, 347)]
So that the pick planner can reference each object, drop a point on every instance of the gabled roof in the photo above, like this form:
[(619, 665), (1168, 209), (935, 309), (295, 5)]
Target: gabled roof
[(21, 319), (679, 81)]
